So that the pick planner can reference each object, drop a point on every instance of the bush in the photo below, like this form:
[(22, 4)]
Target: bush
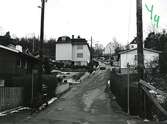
[(59, 64)]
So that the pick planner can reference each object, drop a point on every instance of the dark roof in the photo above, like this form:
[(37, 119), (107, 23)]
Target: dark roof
[(74, 41), (64, 39), (6, 41), (14, 51), (79, 41), (125, 51), (134, 41)]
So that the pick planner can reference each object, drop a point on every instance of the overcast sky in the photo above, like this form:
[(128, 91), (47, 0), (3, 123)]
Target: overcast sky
[(101, 19)]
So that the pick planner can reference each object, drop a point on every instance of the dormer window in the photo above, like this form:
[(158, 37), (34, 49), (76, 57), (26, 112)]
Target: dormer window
[(63, 38)]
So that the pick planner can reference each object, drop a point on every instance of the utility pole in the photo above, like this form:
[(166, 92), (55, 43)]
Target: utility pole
[(41, 43), (33, 45), (91, 53), (140, 56), (128, 89), (110, 51)]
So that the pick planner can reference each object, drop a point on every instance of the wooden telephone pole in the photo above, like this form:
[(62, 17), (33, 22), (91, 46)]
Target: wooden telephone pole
[(41, 43), (91, 52), (140, 57)]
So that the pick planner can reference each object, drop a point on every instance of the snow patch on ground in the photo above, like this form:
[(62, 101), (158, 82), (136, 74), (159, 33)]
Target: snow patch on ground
[(52, 100), (20, 109), (10, 111), (2, 114)]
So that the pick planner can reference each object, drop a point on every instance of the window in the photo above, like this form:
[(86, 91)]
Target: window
[(80, 47), (135, 57), (18, 62), (25, 65), (79, 55), (2, 83), (21, 63)]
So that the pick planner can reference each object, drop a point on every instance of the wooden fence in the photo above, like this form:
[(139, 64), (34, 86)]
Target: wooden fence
[(141, 101), (10, 97), (119, 89)]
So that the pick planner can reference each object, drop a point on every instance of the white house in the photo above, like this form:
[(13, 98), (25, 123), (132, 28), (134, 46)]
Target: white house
[(130, 56), (75, 50), (64, 49)]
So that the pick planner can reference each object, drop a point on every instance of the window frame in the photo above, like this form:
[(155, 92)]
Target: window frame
[(79, 55)]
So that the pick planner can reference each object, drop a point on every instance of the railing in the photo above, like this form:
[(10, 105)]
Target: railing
[(10, 97)]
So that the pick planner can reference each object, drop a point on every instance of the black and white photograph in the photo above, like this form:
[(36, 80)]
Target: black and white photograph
[(83, 62)]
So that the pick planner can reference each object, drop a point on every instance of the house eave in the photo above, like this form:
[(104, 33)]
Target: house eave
[(151, 50)]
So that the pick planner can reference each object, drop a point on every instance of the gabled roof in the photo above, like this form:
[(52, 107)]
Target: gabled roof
[(126, 51), (17, 52), (134, 41)]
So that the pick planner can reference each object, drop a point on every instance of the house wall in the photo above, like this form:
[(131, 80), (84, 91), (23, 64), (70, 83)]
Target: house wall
[(7, 62), (14, 64), (86, 54), (64, 51), (11, 64), (129, 57)]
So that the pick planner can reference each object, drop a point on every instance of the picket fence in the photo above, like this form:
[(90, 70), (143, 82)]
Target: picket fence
[(10, 97)]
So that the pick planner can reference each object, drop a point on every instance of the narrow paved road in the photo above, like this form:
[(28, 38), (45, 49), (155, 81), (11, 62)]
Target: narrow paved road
[(86, 103)]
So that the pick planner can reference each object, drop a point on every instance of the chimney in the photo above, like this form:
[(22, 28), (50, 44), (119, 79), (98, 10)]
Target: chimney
[(72, 36)]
